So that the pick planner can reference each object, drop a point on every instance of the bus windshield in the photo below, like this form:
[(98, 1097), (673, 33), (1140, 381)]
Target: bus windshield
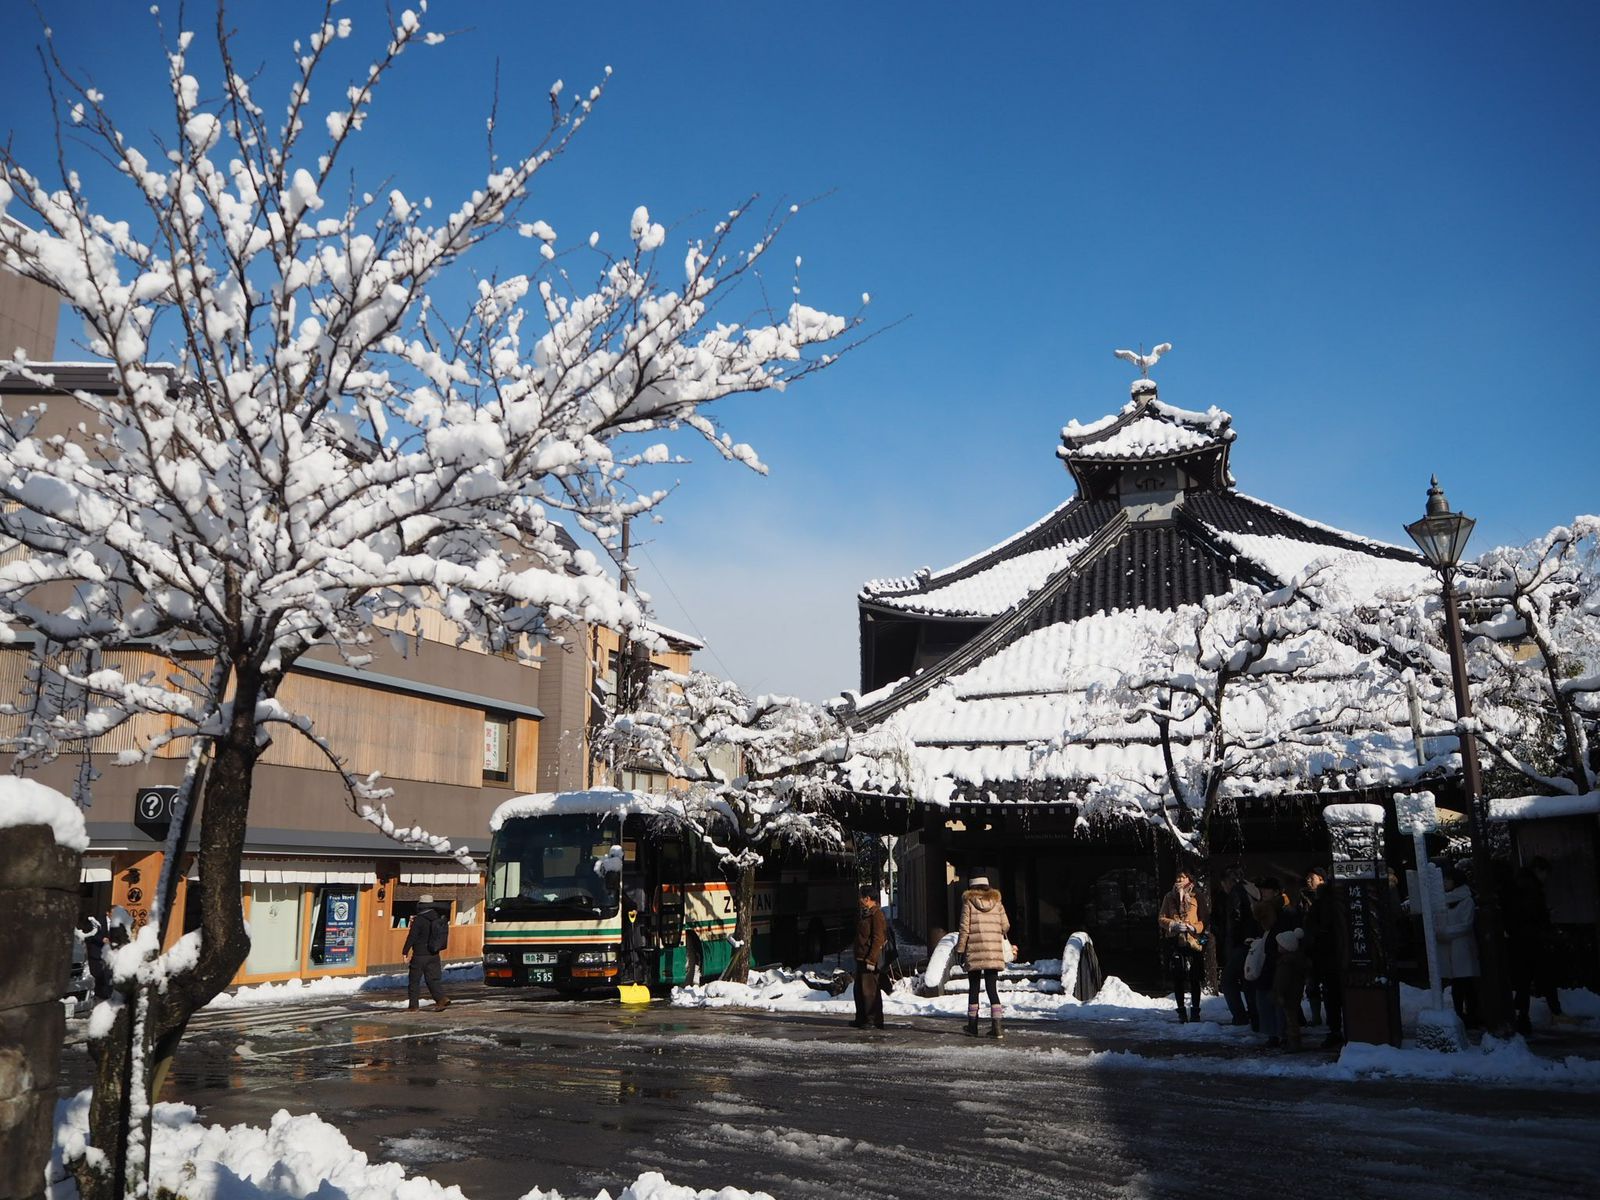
[(550, 867)]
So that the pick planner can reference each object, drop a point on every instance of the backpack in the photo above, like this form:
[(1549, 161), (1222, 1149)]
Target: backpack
[(438, 934)]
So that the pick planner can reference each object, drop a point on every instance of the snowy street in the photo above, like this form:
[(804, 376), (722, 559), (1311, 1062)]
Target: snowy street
[(507, 1092)]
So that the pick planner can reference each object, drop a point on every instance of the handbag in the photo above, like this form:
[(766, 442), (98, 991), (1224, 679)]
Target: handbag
[(1256, 961)]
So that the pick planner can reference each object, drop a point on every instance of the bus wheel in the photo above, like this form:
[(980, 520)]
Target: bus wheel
[(693, 959), (816, 948)]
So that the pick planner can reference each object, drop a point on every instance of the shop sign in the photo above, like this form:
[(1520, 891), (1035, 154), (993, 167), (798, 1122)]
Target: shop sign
[(152, 811), (339, 929)]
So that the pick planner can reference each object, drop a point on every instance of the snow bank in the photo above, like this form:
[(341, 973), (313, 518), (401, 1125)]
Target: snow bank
[(334, 985), (1495, 1062), (293, 1157), (27, 802)]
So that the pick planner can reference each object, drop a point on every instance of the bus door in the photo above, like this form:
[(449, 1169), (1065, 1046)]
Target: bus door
[(670, 887)]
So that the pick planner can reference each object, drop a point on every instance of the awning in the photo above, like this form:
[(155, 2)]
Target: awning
[(459, 878), (94, 870), (290, 870)]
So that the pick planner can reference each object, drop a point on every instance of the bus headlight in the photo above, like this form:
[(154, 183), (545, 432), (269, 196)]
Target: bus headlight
[(494, 957), (595, 958)]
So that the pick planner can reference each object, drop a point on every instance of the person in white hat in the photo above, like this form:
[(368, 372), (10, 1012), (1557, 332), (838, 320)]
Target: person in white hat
[(426, 939)]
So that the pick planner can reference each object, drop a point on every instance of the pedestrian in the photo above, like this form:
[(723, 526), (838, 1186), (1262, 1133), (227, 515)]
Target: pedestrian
[(1327, 947), (1182, 930), (1457, 940), (984, 930), (1239, 928), (426, 939), (95, 935), (1262, 961), (1289, 966), (633, 964), (872, 934), (1532, 942)]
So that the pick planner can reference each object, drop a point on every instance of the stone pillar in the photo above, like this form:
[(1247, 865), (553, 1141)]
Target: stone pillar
[(1361, 883), (38, 908)]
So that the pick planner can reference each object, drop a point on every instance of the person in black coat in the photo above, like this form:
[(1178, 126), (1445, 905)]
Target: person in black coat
[(421, 939), (1238, 926), (1532, 937), (1326, 944)]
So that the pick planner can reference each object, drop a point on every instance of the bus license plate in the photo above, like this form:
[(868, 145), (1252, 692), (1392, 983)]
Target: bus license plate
[(539, 958), (541, 975)]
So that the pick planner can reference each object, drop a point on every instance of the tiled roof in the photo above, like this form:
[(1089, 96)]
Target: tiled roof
[(1076, 597)]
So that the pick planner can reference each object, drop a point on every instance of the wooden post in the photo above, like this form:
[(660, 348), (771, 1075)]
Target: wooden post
[(935, 889)]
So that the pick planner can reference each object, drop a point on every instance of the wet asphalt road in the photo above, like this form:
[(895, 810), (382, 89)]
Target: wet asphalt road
[(510, 1091)]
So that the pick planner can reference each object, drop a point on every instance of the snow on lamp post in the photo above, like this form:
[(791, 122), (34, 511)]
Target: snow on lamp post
[(1442, 536)]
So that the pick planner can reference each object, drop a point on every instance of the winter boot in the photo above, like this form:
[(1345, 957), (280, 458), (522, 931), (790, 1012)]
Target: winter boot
[(972, 1021), (442, 1003), (1194, 1012), (1183, 1013), (996, 1027), (413, 1006)]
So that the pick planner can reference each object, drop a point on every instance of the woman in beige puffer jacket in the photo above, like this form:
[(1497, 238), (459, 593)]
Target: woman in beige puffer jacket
[(984, 929)]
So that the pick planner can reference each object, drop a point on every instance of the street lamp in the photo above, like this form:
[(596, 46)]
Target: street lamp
[(1442, 536)]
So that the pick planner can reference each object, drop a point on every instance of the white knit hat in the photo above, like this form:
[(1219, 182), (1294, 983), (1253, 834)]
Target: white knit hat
[(978, 881)]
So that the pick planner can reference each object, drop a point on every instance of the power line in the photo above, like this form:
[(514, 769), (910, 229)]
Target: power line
[(683, 608)]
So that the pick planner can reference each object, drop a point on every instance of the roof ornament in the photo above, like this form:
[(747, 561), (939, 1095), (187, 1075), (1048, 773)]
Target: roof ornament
[(1144, 388), (1142, 360)]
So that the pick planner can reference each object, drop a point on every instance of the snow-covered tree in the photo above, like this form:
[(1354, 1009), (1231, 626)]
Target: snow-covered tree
[(1538, 653), (303, 444), (1532, 637), (758, 775), (1248, 693)]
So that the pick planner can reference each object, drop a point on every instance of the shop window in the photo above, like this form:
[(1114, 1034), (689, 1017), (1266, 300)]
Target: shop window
[(497, 749), (274, 928), (404, 910)]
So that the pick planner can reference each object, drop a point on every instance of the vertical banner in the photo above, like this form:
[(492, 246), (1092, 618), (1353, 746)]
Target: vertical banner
[(339, 929)]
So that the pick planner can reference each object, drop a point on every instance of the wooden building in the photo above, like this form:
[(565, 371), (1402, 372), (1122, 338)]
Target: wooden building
[(983, 663)]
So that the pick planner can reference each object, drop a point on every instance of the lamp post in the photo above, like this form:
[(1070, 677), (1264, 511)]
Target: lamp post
[(1442, 537)]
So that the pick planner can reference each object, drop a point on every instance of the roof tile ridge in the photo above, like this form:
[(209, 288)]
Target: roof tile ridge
[(1003, 629), (1214, 540), (1355, 541), (909, 585)]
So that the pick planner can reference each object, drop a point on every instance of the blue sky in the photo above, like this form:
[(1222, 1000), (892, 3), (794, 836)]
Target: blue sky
[(1371, 231)]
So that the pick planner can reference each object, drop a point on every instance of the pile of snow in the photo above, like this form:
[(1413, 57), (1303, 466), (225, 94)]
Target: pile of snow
[(326, 986), (28, 802), (784, 990), (293, 1157)]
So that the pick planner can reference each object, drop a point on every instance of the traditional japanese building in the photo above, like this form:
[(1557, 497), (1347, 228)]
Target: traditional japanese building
[(986, 669)]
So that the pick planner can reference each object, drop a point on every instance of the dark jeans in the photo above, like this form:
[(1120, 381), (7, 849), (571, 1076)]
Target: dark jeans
[(869, 997), (424, 967), (1325, 987), (1531, 976), (1464, 996), (1190, 964), (991, 980), (1238, 991)]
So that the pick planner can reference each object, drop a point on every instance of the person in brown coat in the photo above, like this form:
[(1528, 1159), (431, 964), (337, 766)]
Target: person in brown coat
[(1182, 930), (872, 931), (984, 929)]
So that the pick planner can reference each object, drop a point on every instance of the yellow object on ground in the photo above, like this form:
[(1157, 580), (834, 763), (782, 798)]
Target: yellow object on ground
[(633, 993)]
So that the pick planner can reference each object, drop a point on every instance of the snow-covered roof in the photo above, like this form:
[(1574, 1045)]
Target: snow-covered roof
[(1541, 808), (1075, 601), (599, 801), (677, 640)]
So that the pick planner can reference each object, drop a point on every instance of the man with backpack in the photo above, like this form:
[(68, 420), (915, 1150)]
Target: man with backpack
[(426, 939)]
